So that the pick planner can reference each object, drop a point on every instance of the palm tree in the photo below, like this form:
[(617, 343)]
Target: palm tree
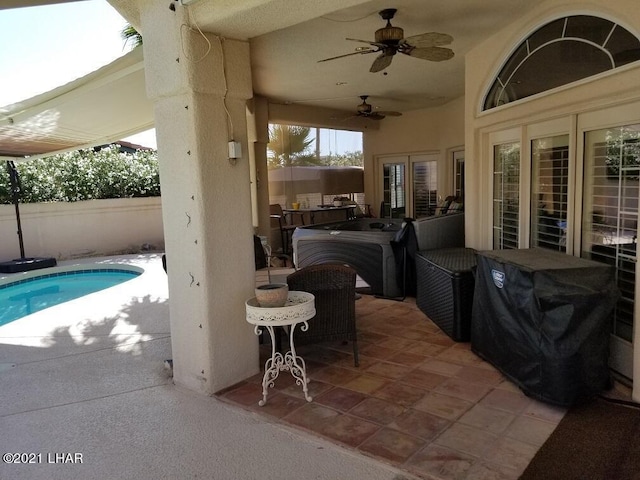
[(130, 35), (289, 145)]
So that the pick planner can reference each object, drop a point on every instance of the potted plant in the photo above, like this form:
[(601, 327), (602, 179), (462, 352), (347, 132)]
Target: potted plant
[(340, 201)]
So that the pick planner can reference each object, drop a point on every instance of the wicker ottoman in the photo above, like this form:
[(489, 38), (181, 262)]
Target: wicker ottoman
[(444, 290)]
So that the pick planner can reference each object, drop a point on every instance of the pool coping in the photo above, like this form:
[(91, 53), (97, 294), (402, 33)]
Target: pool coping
[(59, 271)]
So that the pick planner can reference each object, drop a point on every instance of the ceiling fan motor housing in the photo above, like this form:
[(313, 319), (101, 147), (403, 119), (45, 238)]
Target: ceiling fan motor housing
[(364, 107), (389, 35)]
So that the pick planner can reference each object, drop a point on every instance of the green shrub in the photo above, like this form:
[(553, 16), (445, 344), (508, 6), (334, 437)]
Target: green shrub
[(85, 175)]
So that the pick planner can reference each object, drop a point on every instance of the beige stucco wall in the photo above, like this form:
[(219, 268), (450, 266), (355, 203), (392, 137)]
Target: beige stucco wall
[(436, 130), (94, 227)]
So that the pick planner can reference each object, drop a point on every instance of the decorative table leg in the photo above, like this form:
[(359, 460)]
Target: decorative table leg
[(296, 365), (272, 367)]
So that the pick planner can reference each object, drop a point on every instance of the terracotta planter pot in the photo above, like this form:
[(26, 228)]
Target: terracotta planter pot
[(272, 294)]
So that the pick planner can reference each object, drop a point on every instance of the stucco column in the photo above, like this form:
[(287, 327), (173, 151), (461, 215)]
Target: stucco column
[(199, 84)]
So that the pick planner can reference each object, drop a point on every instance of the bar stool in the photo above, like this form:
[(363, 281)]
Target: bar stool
[(286, 230)]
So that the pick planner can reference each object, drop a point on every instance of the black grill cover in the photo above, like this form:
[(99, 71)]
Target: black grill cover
[(543, 319), (405, 247)]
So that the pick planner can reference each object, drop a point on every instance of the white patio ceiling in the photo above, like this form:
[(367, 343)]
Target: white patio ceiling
[(101, 107)]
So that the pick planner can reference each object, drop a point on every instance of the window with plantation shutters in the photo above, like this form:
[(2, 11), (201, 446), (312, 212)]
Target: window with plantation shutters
[(458, 174), (393, 194), (549, 195), (506, 194), (425, 188), (610, 211)]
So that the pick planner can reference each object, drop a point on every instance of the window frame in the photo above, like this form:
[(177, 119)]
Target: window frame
[(495, 78)]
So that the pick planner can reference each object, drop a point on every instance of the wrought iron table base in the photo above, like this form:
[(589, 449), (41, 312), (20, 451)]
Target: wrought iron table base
[(278, 362), (299, 308)]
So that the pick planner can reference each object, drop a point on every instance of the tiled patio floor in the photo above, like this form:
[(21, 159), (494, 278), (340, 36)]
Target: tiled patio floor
[(418, 401)]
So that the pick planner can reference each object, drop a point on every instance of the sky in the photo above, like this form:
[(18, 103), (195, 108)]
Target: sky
[(45, 47), (48, 46), (339, 141)]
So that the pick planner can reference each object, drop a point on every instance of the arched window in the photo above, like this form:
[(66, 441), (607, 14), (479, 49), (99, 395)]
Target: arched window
[(563, 51)]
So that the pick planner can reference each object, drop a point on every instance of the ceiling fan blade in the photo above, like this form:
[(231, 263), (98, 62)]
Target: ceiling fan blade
[(381, 62), (434, 54), (379, 45), (430, 39), (312, 100), (388, 114), (348, 55), (344, 118)]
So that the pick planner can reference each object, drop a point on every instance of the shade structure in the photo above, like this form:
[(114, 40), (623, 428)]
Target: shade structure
[(337, 180), (104, 106), (324, 180)]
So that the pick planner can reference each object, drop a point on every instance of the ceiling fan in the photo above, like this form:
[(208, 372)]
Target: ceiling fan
[(390, 40), (366, 110)]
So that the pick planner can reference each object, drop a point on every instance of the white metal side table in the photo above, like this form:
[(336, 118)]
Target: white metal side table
[(300, 308)]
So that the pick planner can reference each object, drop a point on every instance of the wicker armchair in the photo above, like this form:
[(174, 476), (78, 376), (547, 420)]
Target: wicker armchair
[(334, 287)]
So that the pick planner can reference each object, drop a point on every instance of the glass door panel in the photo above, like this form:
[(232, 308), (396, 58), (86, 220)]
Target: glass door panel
[(610, 215), (458, 174), (506, 195), (425, 188), (549, 192), (394, 199)]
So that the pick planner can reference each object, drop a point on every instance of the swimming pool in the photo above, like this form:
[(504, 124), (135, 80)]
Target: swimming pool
[(29, 295)]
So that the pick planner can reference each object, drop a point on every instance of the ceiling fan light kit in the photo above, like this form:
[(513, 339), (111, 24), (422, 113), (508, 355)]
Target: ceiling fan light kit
[(364, 108), (390, 40)]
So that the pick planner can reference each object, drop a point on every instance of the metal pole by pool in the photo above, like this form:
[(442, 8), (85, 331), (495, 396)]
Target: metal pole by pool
[(15, 194), (21, 264)]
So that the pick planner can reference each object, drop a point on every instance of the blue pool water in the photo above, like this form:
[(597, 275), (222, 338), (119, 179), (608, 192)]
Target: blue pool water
[(31, 295)]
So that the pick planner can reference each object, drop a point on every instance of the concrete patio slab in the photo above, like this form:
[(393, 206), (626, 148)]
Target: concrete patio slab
[(86, 378)]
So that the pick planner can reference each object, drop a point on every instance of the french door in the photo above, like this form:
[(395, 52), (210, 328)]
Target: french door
[(408, 185), (549, 206), (609, 213), (572, 185), (506, 182), (394, 187), (458, 174)]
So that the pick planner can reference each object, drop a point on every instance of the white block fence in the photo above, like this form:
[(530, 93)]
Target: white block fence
[(78, 229)]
